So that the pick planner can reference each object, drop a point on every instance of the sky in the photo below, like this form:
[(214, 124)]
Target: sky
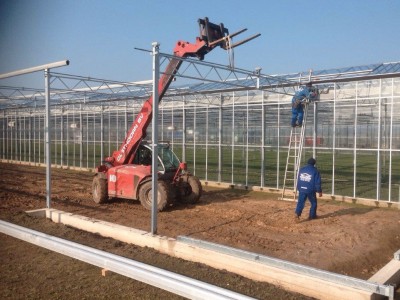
[(99, 37)]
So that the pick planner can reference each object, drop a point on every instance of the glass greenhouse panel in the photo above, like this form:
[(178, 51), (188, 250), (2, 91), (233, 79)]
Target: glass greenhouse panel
[(239, 137), (228, 163), (212, 163)]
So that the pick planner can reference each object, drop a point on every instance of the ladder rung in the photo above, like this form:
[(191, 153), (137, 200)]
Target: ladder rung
[(294, 154)]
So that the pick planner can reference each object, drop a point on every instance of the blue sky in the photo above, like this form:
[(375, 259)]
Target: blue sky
[(99, 36)]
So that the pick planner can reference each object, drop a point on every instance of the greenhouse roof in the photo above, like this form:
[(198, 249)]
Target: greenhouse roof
[(209, 78)]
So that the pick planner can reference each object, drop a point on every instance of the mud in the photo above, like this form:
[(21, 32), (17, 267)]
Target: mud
[(348, 239)]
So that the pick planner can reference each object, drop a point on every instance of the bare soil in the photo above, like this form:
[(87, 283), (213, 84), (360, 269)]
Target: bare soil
[(348, 239)]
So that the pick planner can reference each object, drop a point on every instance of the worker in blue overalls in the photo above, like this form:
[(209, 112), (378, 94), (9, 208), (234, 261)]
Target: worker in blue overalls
[(308, 184), (305, 93)]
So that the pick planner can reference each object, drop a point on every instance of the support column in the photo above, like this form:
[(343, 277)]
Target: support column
[(379, 164), (102, 133), (154, 146), (48, 138), (262, 179), (184, 131), (81, 137), (220, 139)]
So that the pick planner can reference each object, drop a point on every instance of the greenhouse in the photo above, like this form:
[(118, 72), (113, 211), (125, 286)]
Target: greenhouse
[(230, 125)]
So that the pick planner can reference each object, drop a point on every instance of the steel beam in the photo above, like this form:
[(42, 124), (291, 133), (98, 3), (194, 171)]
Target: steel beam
[(35, 69), (381, 289), (169, 281)]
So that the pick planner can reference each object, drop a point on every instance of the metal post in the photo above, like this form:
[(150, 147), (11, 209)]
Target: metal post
[(19, 135), (117, 126), (73, 127), (219, 139), (154, 163), (194, 136), (68, 137), (315, 128), (11, 143), (126, 117), (25, 137), (34, 136), (4, 134), (391, 144), (62, 137), (206, 177), (30, 136), (278, 155), (163, 123), (262, 183), (355, 145), (55, 140), (16, 129), (334, 139), (233, 141), (48, 137), (87, 140), (42, 140), (102, 133), (172, 125), (109, 129), (379, 164), (94, 140), (81, 137), (184, 134), (247, 139)]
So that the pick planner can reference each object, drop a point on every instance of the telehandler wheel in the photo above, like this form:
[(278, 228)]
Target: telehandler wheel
[(99, 189), (190, 189), (163, 195)]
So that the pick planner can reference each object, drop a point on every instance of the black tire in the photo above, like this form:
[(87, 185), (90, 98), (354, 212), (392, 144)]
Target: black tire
[(163, 195), (190, 189), (99, 189)]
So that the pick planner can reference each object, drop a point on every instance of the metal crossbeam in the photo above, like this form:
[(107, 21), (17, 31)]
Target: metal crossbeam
[(194, 78), (381, 289), (169, 281)]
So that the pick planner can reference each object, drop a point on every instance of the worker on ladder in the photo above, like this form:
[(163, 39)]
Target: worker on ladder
[(301, 97)]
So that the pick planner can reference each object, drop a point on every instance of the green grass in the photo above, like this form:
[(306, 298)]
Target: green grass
[(242, 166)]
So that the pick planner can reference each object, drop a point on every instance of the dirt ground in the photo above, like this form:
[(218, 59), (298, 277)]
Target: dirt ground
[(348, 239)]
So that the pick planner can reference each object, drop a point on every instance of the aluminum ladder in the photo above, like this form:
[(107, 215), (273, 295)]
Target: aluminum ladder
[(293, 159)]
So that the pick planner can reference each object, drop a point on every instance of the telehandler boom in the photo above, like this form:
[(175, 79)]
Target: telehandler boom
[(127, 173)]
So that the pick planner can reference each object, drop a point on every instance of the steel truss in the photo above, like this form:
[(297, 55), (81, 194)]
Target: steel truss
[(217, 113), (194, 78)]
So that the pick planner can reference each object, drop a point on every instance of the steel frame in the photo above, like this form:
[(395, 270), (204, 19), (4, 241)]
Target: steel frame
[(216, 96)]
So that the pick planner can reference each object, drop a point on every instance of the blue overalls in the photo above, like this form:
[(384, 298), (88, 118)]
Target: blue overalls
[(308, 184), (297, 104)]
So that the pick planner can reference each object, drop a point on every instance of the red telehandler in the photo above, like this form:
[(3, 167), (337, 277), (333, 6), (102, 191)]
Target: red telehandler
[(127, 173)]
